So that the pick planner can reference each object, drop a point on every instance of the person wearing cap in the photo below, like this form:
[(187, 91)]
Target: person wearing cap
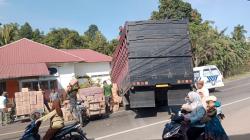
[(213, 129)]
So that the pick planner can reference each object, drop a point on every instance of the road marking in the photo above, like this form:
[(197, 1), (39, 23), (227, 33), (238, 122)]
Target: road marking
[(236, 87), (129, 130), (133, 129), (235, 102), (165, 121)]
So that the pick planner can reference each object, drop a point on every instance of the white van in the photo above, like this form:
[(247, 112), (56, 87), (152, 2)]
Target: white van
[(211, 76)]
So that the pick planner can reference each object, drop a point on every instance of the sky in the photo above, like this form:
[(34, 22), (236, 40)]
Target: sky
[(108, 15)]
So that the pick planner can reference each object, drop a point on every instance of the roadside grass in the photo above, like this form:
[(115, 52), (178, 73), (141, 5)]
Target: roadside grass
[(237, 76)]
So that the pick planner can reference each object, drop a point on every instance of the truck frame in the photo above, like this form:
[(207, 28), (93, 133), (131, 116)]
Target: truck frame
[(152, 65)]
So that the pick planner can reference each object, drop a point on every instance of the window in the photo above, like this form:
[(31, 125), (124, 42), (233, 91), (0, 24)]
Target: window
[(196, 74), (206, 72), (53, 84), (215, 71), (27, 85), (2, 87), (44, 85)]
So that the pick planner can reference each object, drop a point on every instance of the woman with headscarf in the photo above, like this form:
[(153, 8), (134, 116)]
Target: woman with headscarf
[(213, 128), (194, 118)]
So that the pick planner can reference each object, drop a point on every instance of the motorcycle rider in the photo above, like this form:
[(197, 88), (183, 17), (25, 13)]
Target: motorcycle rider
[(194, 118), (213, 129), (56, 120)]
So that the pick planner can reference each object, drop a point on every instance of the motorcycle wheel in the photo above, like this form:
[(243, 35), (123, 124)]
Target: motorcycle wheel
[(78, 137)]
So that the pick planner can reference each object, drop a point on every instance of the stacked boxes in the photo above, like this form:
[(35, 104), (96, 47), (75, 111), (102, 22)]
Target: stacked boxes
[(94, 100), (28, 102), (116, 98)]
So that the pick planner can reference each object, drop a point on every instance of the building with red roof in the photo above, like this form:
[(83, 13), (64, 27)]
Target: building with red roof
[(25, 63)]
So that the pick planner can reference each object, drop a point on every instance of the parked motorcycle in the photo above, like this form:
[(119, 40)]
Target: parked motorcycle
[(82, 114), (69, 132)]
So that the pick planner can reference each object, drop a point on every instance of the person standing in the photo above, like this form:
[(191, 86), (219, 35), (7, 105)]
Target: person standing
[(107, 93), (3, 115), (54, 95), (72, 91)]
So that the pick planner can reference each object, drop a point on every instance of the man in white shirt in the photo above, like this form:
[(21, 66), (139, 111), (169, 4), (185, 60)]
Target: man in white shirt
[(202, 89), (3, 102)]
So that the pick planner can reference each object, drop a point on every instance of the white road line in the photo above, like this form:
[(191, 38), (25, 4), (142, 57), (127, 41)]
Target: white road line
[(165, 121), (236, 87), (129, 130), (133, 129), (235, 102)]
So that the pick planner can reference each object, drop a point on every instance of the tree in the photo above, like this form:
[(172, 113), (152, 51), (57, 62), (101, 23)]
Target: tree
[(37, 35), (63, 38), (72, 40), (239, 33), (110, 48), (99, 43), (25, 31), (91, 32), (176, 9), (8, 33), (209, 46)]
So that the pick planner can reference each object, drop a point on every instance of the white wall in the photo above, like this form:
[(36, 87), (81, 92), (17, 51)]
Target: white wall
[(66, 73), (100, 70)]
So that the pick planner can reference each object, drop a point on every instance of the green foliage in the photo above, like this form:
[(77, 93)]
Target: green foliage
[(209, 46), (8, 33), (176, 9), (63, 38), (25, 31), (91, 32), (239, 33)]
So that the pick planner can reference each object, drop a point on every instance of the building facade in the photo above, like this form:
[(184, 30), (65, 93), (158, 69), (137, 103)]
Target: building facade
[(28, 64)]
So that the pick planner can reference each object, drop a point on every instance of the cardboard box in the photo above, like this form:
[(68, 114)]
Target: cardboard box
[(25, 90), (33, 100), (19, 111), (19, 104)]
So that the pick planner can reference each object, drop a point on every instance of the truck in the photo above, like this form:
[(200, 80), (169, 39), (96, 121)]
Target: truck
[(152, 65)]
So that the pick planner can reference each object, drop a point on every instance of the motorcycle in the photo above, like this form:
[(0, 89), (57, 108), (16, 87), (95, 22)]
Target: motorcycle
[(82, 114), (69, 132), (176, 128)]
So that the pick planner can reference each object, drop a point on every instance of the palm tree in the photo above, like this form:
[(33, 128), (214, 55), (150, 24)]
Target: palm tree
[(239, 33), (8, 33)]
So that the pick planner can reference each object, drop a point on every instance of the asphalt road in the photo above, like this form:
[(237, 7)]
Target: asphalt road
[(148, 124)]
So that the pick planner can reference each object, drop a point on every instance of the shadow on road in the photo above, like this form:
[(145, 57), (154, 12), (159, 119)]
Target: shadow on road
[(240, 137), (145, 112)]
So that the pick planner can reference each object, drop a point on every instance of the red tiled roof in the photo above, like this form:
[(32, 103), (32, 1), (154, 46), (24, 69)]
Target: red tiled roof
[(23, 70), (27, 51), (28, 58), (90, 55)]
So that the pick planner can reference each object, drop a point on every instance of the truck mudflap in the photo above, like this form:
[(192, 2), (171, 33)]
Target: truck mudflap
[(177, 97), (142, 99)]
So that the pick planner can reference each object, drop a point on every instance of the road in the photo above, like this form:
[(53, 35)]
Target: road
[(148, 124)]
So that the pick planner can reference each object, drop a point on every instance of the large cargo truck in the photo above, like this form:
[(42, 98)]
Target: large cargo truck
[(152, 65)]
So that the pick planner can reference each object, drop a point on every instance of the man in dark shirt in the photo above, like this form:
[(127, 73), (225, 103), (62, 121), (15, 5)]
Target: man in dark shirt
[(72, 96)]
